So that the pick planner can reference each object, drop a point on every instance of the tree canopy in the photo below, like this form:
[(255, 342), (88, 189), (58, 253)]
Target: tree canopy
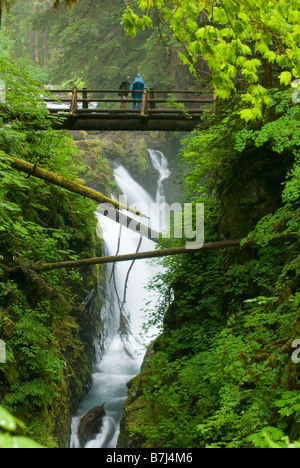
[(57, 3), (6, 5), (243, 42), (87, 47)]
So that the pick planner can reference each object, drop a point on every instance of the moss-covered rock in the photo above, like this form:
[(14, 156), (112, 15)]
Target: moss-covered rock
[(136, 413), (253, 190), (93, 166), (128, 149), (138, 409)]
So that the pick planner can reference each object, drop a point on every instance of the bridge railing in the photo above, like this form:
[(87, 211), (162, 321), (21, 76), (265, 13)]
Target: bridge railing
[(75, 101)]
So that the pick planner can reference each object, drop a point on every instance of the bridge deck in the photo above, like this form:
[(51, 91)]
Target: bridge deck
[(124, 121), (171, 115)]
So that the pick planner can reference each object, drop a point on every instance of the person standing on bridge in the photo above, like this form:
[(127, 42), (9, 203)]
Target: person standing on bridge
[(124, 91), (137, 91)]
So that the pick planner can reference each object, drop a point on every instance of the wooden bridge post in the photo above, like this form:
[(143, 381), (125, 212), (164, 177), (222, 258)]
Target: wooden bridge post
[(85, 104), (152, 96), (144, 103), (74, 102)]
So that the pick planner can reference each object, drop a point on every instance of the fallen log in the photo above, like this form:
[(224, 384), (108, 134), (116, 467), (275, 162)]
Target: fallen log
[(134, 256), (70, 185), (130, 223)]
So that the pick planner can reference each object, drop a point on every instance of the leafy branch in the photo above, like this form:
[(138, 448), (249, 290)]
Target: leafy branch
[(234, 40)]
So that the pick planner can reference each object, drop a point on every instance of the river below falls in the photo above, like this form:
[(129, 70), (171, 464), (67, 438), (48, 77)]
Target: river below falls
[(123, 313)]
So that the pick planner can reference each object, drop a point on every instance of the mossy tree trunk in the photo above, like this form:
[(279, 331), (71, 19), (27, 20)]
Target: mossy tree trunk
[(50, 177)]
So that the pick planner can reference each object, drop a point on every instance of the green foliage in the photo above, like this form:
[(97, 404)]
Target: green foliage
[(221, 374), (6, 4), (8, 425), (282, 132), (86, 46), (222, 368), (39, 223), (235, 39), (270, 437)]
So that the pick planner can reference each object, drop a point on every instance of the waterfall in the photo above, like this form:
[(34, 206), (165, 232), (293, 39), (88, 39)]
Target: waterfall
[(160, 163), (122, 314)]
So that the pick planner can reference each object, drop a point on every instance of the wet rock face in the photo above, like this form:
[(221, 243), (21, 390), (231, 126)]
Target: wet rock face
[(253, 191), (90, 424)]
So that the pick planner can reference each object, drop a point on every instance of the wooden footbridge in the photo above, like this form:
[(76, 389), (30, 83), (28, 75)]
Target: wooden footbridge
[(103, 110)]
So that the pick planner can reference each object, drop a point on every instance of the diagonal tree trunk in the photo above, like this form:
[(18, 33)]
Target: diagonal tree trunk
[(71, 185), (134, 256)]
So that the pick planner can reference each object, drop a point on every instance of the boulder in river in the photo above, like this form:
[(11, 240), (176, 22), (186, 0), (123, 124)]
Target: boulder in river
[(90, 425)]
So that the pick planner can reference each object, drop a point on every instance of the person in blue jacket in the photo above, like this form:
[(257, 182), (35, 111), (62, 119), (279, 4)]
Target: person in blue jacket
[(137, 87)]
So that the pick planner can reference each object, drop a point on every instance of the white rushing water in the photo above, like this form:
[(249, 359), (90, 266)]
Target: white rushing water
[(123, 314), (160, 163)]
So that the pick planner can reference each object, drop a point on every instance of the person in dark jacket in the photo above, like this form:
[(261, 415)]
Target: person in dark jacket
[(137, 91), (124, 91)]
